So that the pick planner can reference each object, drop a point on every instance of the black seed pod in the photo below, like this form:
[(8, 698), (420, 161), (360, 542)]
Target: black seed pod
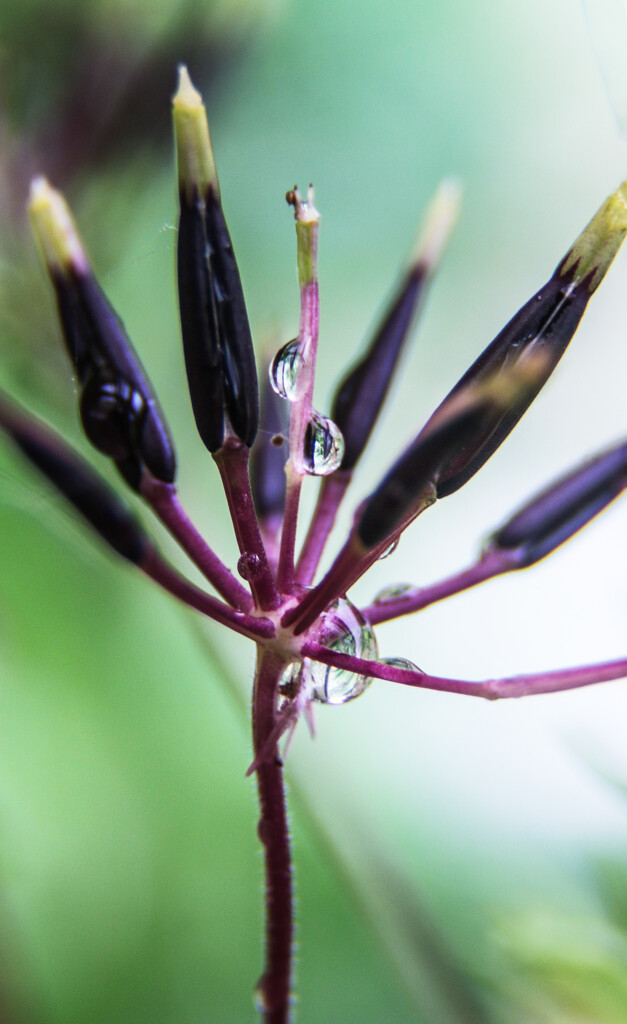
[(90, 495), (217, 342), (542, 328), (118, 407), (554, 515)]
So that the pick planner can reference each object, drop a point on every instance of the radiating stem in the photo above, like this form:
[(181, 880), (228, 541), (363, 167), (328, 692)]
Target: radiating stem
[(492, 689), (492, 563), (232, 461), (330, 496), (273, 990), (167, 577), (307, 220), (164, 501)]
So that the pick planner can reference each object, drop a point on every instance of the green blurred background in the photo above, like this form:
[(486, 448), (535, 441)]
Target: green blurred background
[(455, 863)]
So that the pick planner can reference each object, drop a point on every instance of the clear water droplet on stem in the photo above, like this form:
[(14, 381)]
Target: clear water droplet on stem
[(249, 566), (324, 446), (344, 630), (390, 550), (404, 663), (285, 375), (393, 592)]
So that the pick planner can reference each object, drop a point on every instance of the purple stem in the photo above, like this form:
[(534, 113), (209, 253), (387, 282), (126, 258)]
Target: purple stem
[(492, 563), (167, 577), (164, 501), (330, 497), (491, 689), (300, 414), (232, 461), (273, 990)]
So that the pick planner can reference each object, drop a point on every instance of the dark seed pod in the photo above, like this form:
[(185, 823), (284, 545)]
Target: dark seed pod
[(269, 455), (118, 407), (543, 328), (90, 495), (217, 342), (558, 512)]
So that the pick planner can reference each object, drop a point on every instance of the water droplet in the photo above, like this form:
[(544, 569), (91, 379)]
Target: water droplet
[(344, 630), (324, 446), (249, 566), (390, 551), (404, 663), (393, 592), (290, 680), (285, 375), (111, 411)]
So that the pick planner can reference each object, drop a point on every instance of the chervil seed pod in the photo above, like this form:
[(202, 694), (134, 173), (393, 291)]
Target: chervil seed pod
[(545, 324), (118, 408), (217, 343), (83, 488), (558, 512)]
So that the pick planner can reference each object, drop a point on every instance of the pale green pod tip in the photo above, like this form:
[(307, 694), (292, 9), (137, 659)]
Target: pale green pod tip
[(55, 229), (592, 253), (194, 154)]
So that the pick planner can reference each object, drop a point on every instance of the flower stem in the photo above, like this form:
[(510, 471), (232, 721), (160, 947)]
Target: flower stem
[(273, 990), (154, 566), (164, 501), (232, 461), (492, 563), (307, 221), (527, 685), (330, 497)]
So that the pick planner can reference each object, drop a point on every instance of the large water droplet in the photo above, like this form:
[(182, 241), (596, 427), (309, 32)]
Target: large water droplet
[(324, 446), (404, 663), (344, 630), (285, 372), (393, 592)]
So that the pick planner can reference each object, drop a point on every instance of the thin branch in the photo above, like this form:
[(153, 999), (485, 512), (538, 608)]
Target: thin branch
[(273, 990), (330, 496), (307, 220), (232, 461), (491, 689), (164, 501), (167, 577), (490, 564)]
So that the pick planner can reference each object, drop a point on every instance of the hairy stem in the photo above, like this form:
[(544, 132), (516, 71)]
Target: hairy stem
[(232, 461), (526, 685), (274, 986), (493, 563), (171, 580), (164, 501), (330, 496)]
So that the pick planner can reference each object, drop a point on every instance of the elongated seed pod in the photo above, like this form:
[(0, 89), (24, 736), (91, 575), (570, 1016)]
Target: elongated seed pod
[(553, 516), (80, 485), (119, 410), (217, 343), (544, 325)]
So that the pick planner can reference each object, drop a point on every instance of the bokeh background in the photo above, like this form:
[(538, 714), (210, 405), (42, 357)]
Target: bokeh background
[(456, 862)]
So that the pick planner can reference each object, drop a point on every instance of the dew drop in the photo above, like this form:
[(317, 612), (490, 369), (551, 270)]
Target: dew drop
[(285, 375), (392, 593), (344, 630), (249, 566), (324, 446), (404, 663), (390, 550)]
